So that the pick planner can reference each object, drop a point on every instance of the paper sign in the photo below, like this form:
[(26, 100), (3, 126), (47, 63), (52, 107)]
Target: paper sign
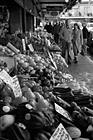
[(60, 134), (62, 111), (31, 47), (6, 78), (16, 87), (12, 82), (24, 45)]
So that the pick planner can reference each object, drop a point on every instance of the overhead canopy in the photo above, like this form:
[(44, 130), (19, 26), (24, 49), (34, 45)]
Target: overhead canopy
[(54, 6)]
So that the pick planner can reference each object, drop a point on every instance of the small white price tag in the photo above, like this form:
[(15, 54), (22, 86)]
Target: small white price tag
[(60, 134), (30, 34), (31, 47), (24, 45), (62, 111), (16, 87), (6, 78)]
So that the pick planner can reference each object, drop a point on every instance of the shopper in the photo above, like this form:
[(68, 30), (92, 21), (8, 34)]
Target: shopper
[(48, 27), (56, 31), (77, 41), (85, 38), (66, 36)]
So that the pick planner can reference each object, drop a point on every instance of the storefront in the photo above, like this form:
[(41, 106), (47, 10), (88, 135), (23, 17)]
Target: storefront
[(22, 14)]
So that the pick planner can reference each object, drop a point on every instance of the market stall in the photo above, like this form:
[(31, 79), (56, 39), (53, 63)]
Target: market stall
[(39, 98)]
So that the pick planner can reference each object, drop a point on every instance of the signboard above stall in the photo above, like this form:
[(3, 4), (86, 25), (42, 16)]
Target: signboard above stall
[(54, 8)]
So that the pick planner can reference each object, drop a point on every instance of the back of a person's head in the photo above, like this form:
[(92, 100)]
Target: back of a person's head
[(84, 24)]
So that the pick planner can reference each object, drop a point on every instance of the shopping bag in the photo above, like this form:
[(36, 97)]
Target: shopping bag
[(71, 53)]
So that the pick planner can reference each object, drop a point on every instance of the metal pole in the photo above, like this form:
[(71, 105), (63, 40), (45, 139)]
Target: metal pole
[(24, 16)]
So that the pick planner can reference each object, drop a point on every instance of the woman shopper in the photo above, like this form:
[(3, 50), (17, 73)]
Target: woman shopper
[(77, 41)]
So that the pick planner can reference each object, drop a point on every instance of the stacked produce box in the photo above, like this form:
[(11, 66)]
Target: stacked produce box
[(39, 99)]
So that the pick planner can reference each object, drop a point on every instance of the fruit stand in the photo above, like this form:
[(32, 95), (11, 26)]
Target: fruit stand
[(39, 98)]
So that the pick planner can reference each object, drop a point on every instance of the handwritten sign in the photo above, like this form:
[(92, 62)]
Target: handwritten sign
[(6, 78), (31, 47), (62, 111), (16, 87), (12, 82), (60, 134)]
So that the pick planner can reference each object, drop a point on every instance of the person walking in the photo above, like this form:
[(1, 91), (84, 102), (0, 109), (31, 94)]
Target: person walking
[(66, 36), (56, 31), (77, 41), (85, 38), (48, 27)]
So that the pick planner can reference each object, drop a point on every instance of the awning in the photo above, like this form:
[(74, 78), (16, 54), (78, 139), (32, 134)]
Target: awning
[(20, 2)]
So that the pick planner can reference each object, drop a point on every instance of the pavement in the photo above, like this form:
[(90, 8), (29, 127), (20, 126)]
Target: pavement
[(83, 71)]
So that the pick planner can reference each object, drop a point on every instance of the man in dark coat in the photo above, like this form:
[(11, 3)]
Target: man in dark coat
[(85, 38)]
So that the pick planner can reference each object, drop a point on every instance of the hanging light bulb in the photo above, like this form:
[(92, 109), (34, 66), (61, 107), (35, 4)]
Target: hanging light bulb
[(66, 1)]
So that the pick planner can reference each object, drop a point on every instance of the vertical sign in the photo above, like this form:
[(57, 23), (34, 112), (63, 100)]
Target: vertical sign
[(16, 87)]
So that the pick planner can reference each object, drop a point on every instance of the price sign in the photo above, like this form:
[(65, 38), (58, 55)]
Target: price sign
[(6, 78), (52, 60), (62, 111), (26, 39), (24, 45), (16, 87), (30, 34), (31, 47), (60, 134)]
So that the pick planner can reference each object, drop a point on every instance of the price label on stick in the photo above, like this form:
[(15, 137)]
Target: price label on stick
[(60, 134), (16, 87), (62, 112)]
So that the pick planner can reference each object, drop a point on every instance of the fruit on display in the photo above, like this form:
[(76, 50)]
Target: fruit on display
[(41, 136), (74, 132), (5, 121), (82, 138), (19, 100), (33, 114)]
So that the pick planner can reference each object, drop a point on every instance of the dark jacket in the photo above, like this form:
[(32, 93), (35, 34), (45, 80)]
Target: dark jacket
[(85, 33)]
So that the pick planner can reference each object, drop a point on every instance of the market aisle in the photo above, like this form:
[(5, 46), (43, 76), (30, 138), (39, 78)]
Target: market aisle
[(83, 71)]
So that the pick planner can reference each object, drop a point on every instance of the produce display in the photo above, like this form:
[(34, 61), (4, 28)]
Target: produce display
[(39, 99), (42, 39)]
